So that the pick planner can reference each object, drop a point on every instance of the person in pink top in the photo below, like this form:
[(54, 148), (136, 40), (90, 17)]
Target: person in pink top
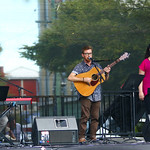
[(144, 92), (144, 69)]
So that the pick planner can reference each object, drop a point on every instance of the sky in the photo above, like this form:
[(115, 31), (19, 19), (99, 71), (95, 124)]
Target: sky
[(18, 27)]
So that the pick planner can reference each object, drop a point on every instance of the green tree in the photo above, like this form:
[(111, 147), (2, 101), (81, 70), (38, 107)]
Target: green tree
[(110, 26)]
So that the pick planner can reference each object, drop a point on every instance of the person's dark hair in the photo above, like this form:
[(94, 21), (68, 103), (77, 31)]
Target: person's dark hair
[(147, 54), (86, 48)]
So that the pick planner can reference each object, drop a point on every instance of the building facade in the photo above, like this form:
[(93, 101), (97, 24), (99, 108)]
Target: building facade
[(23, 82)]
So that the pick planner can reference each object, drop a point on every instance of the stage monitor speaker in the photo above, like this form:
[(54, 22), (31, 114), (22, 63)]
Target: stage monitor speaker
[(55, 130)]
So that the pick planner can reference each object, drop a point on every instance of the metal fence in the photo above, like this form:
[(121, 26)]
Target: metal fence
[(120, 113)]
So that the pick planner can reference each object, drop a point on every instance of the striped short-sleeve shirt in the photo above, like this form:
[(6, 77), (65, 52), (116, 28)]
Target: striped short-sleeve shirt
[(83, 67)]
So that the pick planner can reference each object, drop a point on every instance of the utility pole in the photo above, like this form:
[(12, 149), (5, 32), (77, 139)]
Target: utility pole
[(46, 16)]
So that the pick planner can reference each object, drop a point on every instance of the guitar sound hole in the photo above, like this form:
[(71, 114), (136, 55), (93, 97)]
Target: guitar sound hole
[(94, 76)]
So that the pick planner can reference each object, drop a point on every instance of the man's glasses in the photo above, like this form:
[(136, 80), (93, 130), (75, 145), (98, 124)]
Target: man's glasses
[(87, 54)]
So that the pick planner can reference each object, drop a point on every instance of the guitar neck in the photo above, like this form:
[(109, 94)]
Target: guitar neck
[(114, 63), (111, 65)]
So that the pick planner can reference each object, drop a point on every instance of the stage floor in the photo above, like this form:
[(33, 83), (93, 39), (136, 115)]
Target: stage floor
[(113, 144)]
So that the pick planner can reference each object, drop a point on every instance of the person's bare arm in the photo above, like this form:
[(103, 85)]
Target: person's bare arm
[(72, 77), (141, 94)]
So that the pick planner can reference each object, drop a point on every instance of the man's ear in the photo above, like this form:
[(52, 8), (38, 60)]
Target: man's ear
[(82, 55)]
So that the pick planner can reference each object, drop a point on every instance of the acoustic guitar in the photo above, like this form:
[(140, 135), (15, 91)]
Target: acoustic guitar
[(97, 75)]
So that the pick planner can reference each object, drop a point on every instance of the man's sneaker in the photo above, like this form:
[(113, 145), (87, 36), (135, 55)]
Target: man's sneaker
[(94, 140), (82, 140)]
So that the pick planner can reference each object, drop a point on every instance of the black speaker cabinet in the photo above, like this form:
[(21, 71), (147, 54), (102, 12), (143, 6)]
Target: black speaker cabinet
[(55, 130)]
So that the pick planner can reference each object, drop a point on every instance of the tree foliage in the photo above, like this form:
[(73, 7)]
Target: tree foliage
[(110, 26)]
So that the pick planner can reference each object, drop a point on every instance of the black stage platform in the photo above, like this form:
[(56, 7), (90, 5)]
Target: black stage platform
[(100, 145)]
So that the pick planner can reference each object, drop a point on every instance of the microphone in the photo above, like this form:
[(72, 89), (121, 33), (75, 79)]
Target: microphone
[(90, 58)]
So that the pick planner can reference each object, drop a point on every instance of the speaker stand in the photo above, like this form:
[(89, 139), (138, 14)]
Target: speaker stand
[(134, 80)]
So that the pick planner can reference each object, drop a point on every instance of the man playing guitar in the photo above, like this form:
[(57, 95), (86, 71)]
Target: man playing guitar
[(90, 104)]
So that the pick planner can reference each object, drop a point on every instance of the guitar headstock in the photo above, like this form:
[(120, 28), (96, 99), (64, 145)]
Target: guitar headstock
[(124, 56)]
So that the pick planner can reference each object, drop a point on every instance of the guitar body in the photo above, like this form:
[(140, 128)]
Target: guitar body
[(83, 88)]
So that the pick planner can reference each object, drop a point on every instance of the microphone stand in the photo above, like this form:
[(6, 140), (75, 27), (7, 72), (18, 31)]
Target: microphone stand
[(19, 90), (102, 60), (19, 87), (92, 60), (105, 140), (101, 78)]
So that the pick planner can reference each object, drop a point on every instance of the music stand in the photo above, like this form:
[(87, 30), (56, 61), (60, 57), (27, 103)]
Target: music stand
[(3, 96), (3, 92), (132, 84)]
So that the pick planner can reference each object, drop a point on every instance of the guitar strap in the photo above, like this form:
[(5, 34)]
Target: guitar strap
[(101, 77)]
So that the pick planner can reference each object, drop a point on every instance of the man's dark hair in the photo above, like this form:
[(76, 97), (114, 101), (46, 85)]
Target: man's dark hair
[(86, 48)]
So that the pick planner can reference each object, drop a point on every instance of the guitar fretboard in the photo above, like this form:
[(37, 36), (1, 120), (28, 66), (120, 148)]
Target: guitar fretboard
[(114, 63), (111, 65)]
